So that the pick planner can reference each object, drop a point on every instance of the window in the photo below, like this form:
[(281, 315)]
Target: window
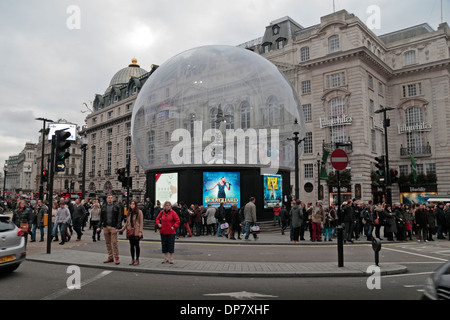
[(403, 170), (127, 148), (370, 81), (214, 124), (266, 48), (307, 112), (304, 54), (335, 80), (412, 90), (414, 139), (151, 146), (93, 150), (333, 44), (308, 145), (374, 140), (274, 111), (306, 87), (380, 88), (309, 171), (371, 108), (229, 117), (276, 30), (431, 168), (109, 156), (337, 109), (410, 57), (245, 115), (280, 44)]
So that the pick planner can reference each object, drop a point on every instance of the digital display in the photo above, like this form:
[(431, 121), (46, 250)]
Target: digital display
[(166, 187), (221, 187), (273, 191)]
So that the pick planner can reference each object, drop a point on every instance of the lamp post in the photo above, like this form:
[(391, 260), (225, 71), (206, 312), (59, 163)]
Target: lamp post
[(319, 168), (386, 124), (5, 171), (83, 179), (297, 141), (41, 186)]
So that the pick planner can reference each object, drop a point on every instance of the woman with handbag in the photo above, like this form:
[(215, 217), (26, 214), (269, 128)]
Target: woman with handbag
[(23, 217), (134, 224), (168, 221)]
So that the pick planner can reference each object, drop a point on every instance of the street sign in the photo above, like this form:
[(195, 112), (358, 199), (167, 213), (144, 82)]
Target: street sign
[(339, 159)]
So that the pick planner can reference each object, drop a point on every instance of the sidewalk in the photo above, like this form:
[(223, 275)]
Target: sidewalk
[(68, 255)]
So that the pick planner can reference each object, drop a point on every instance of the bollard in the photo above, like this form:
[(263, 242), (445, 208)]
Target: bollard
[(340, 238)]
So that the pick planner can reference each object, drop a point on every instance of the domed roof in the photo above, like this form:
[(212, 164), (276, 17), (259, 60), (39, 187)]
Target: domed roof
[(123, 76)]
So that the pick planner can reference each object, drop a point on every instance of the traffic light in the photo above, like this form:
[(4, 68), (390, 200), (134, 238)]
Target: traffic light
[(394, 175), (121, 175), (62, 144), (381, 172), (44, 175)]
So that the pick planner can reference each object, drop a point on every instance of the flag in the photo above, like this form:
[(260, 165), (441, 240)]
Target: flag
[(413, 168), (323, 171)]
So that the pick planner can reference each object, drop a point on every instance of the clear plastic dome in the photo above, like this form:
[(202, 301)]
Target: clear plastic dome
[(216, 106)]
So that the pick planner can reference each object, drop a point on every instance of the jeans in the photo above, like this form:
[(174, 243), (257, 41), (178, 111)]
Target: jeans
[(247, 231), (62, 229), (368, 228), (328, 232), (33, 234)]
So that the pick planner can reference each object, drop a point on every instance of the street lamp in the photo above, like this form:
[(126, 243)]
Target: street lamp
[(319, 169), (41, 186), (5, 171), (83, 179), (386, 124), (297, 141)]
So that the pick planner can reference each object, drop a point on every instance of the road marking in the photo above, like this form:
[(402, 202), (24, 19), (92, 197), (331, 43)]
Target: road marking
[(416, 254), (65, 291), (241, 295)]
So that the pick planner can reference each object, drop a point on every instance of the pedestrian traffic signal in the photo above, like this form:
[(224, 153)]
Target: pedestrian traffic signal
[(394, 175), (121, 175), (44, 175), (381, 172), (62, 144)]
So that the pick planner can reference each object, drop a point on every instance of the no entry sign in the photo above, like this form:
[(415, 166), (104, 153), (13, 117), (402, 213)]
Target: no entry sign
[(339, 159)]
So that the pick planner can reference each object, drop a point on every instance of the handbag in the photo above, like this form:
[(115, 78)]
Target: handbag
[(224, 226), (24, 227), (130, 233)]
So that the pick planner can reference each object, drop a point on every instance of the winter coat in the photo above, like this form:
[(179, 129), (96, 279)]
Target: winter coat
[(169, 221), (391, 224), (296, 214)]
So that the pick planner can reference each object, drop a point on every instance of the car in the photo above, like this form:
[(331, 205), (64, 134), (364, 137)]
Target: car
[(12, 245), (437, 286)]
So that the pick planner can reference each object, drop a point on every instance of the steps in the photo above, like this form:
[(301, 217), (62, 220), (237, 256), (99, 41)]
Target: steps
[(266, 226)]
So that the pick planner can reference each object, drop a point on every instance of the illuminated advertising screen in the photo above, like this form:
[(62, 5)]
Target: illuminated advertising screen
[(273, 192), (221, 187), (166, 187)]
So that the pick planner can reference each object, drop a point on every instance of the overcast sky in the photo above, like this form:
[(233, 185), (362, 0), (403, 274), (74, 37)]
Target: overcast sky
[(55, 55)]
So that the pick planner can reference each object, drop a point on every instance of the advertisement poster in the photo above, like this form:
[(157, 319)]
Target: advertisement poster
[(221, 187), (273, 191), (166, 188)]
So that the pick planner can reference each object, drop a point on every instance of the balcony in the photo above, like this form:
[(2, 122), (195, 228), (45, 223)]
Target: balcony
[(418, 151), (331, 146)]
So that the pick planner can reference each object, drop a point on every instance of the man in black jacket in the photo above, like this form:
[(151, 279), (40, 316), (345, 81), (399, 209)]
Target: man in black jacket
[(349, 220), (110, 221), (78, 216)]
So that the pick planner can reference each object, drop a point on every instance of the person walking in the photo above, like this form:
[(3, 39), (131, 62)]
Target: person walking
[(23, 218), (110, 221), (250, 217), (168, 221), (421, 221), (95, 221), (134, 226), (61, 220), (284, 216), (235, 223), (78, 216)]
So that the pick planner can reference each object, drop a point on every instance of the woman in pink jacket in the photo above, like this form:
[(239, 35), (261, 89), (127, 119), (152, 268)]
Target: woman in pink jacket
[(168, 221)]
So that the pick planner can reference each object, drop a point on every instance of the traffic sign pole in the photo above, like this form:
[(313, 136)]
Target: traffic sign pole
[(339, 160)]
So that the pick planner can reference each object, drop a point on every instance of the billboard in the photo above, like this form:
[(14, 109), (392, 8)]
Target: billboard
[(273, 190), (166, 187), (221, 187), (72, 128)]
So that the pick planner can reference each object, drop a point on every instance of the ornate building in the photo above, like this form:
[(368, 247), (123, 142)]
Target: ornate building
[(343, 74)]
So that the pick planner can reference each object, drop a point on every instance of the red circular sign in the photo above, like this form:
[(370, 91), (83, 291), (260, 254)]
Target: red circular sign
[(339, 159)]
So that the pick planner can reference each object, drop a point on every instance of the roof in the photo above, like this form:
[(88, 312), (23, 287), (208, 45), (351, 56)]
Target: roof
[(123, 76), (407, 33)]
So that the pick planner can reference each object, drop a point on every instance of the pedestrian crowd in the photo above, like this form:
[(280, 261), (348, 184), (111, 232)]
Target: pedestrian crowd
[(400, 222)]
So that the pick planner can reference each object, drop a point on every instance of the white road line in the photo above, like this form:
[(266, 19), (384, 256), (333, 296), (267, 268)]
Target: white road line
[(65, 291), (416, 254)]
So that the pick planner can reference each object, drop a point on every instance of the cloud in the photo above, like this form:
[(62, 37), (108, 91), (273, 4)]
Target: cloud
[(49, 70)]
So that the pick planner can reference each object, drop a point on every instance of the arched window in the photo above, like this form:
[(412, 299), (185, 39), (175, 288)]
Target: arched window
[(213, 118), (336, 109), (229, 117), (333, 44), (245, 115)]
